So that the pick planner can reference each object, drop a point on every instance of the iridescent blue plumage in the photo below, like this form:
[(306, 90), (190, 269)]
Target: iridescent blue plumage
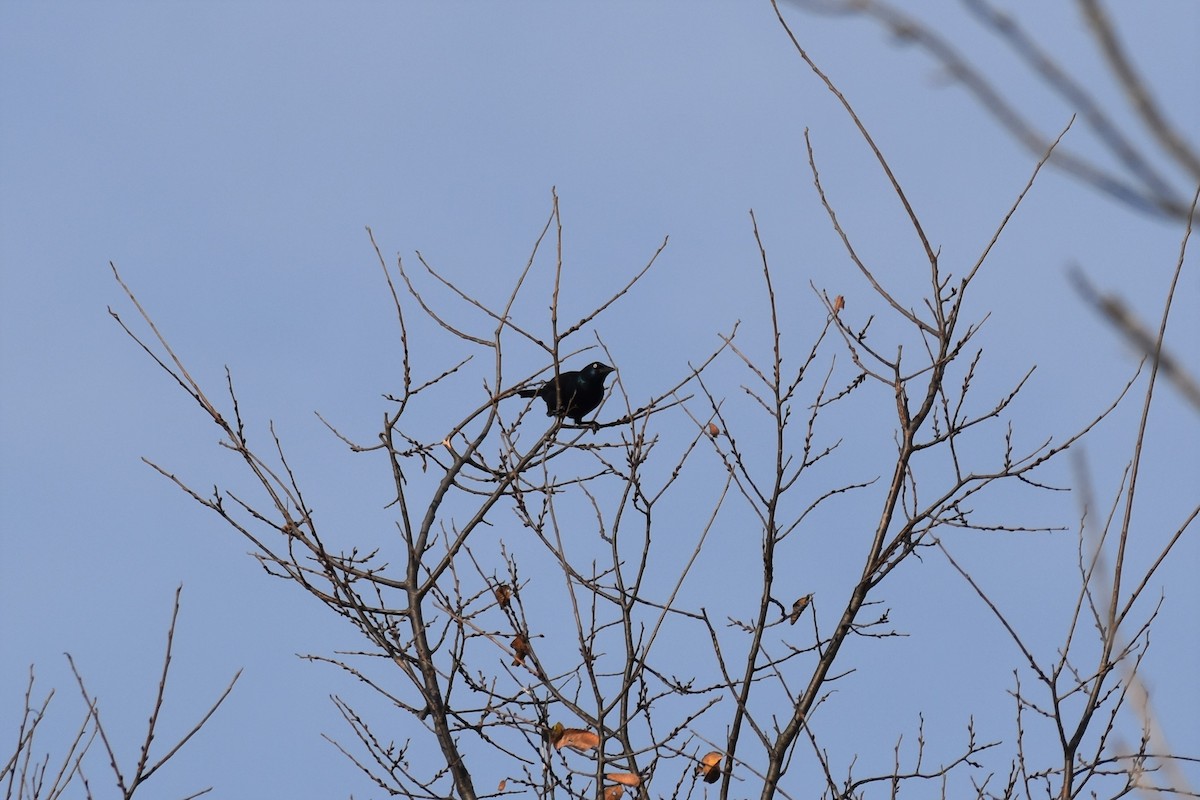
[(575, 394)]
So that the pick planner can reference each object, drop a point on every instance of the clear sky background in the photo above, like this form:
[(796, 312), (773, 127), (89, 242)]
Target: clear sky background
[(227, 157)]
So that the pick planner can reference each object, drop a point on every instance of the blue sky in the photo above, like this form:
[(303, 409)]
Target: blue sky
[(227, 157)]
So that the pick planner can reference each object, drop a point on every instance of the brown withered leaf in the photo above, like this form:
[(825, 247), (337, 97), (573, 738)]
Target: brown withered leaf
[(839, 303), (577, 739), (712, 430), (625, 778), (503, 594), (798, 608), (503, 784), (520, 646), (710, 766), (613, 792)]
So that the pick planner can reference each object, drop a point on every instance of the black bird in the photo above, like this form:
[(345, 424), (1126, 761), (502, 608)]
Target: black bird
[(574, 394)]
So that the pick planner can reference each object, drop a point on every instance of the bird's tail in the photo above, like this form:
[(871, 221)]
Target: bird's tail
[(528, 393)]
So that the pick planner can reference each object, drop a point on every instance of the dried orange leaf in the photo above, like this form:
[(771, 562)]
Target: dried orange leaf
[(713, 430), (710, 766), (520, 646), (613, 792), (503, 594), (577, 739), (626, 778), (839, 303), (502, 785), (798, 608)]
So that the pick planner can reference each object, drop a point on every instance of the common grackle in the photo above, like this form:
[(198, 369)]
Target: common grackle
[(574, 394)]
